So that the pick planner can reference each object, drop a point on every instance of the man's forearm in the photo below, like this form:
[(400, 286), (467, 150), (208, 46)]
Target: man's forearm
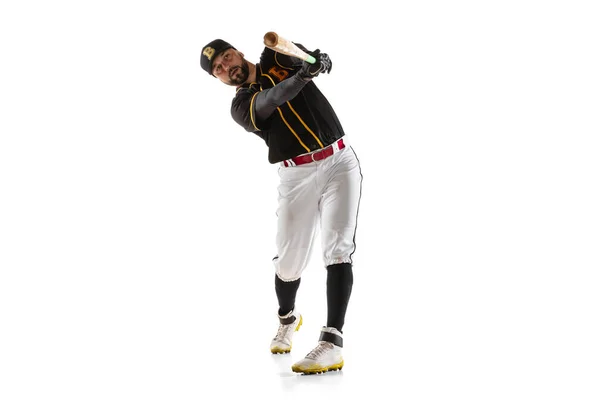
[(268, 100)]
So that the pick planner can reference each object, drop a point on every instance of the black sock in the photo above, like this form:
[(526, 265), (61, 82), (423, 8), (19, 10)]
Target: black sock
[(286, 294), (339, 288)]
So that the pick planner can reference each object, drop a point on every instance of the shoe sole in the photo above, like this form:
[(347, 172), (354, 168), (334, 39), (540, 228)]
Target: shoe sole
[(311, 371), (279, 350)]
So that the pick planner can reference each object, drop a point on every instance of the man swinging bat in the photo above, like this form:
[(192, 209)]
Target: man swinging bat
[(320, 181)]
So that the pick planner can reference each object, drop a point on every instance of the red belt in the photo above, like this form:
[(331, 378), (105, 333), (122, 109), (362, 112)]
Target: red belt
[(315, 156)]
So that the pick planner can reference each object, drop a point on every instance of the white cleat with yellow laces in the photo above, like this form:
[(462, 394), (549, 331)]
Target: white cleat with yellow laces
[(288, 324), (327, 356)]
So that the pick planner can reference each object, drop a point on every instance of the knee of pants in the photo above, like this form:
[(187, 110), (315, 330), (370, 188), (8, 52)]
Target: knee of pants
[(338, 246)]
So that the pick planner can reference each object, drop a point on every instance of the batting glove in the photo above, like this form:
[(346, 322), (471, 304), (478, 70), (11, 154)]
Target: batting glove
[(322, 64)]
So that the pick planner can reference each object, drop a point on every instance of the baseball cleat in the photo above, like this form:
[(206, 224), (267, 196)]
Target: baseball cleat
[(288, 324), (327, 356)]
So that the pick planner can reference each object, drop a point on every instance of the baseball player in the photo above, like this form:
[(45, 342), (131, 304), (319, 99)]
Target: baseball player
[(320, 182)]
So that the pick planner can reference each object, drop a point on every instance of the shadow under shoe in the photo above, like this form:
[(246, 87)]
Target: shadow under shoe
[(288, 324), (327, 356)]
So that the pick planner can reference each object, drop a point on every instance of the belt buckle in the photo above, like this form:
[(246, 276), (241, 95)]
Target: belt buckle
[(312, 156)]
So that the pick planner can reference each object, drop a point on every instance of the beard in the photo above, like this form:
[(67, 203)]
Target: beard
[(239, 75)]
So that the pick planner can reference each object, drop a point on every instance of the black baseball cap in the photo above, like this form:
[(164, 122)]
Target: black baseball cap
[(211, 51)]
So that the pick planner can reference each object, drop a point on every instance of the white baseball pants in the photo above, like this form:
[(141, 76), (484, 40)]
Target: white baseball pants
[(323, 194)]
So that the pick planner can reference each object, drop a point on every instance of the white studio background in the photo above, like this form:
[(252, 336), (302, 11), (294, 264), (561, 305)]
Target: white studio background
[(137, 219)]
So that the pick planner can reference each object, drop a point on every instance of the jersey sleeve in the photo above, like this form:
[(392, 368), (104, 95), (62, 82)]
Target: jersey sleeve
[(243, 109)]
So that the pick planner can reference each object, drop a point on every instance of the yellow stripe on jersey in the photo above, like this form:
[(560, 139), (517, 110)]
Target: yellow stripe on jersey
[(306, 126), (251, 113), (289, 127), (277, 61), (300, 119)]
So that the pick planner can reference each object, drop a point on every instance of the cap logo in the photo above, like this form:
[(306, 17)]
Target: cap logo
[(209, 52)]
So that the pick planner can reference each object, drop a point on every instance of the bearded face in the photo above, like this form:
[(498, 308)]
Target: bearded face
[(238, 74), (231, 68)]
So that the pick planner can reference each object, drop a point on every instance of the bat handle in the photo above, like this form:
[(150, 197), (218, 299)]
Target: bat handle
[(310, 59)]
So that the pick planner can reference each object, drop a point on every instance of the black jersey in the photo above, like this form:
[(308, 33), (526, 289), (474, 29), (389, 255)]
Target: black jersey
[(301, 125)]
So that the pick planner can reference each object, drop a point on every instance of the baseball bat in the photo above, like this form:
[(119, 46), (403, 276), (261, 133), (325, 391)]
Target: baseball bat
[(281, 45)]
